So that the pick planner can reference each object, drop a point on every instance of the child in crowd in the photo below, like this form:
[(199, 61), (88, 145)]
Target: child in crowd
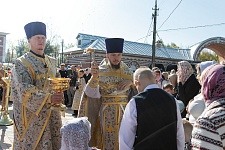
[(169, 89), (166, 77)]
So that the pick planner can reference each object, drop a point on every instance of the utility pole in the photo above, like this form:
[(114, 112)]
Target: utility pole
[(62, 50), (8, 55), (154, 34), (12, 54)]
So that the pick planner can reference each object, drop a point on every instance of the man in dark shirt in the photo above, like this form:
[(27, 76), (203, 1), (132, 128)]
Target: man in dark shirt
[(63, 71), (87, 75), (64, 74), (71, 91)]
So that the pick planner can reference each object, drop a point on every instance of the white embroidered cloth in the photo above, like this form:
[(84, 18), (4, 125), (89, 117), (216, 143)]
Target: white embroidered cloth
[(76, 134)]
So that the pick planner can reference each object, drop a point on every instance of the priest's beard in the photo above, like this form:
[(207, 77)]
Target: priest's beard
[(115, 66)]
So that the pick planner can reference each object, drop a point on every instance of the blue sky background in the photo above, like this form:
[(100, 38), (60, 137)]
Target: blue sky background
[(129, 19)]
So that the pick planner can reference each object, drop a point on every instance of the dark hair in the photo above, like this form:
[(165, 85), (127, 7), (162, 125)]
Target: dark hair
[(81, 70), (168, 86)]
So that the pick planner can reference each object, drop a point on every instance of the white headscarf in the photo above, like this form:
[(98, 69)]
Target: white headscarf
[(206, 64), (76, 134)]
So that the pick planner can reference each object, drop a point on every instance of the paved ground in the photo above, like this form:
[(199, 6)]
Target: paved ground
[(6, 132)]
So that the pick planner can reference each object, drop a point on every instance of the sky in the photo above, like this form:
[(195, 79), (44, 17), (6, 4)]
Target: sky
[(128, 19)]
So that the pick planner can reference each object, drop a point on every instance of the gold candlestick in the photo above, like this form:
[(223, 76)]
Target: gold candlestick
[(59, 85), (5, 120)]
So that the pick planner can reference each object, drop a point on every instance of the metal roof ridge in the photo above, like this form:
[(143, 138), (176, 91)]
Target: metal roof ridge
[(93, 43)]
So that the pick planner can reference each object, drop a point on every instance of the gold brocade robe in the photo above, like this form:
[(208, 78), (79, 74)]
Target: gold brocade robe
[(3, 85), (36, 126), (105, 114), (78, 94)]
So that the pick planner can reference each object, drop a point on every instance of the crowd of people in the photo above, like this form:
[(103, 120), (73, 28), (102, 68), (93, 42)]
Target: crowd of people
[(115, 108), (78, 79)]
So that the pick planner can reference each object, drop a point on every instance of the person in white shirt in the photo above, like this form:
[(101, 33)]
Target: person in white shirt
[(152, 118)]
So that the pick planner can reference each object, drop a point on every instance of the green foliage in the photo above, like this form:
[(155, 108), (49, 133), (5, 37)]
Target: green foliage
[(172, 45), (23, 47), (51, 49), (206, 56), (70, 45)]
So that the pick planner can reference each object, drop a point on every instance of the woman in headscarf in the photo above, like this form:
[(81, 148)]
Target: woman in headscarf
[(188, 85), (197, 105), (76, 134), (209, 128)]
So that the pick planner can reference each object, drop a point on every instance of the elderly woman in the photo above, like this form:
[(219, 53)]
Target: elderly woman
[(209, 128), (188, 85)]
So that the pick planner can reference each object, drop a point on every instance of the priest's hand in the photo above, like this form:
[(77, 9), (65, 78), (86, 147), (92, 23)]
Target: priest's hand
[(94, 69), (124, 84), (57, 98)]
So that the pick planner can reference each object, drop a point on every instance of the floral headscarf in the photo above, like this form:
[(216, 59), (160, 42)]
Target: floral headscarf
[(185, 70), (213, 83), (76, 134)]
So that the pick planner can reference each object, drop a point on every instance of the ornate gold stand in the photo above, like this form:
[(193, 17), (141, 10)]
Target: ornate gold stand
[(92, 53), (5, 120), (59, 85)]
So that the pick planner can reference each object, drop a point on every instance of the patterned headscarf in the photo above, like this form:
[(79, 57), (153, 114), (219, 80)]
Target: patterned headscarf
[(185, 71), (213, 83), (76, 134)]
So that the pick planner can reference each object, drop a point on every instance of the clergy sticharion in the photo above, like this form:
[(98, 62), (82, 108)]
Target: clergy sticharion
[(106, 96), (36, 126)]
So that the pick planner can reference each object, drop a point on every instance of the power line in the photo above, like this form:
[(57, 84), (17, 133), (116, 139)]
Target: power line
[(185, 28), (143, 37), (202, 26), (170, 14), (158, 36), (148, 32), (161, 41)]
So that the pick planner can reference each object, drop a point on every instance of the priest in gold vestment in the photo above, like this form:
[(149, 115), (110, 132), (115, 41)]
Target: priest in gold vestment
[(3, 86), (106, 95), (36, 126)]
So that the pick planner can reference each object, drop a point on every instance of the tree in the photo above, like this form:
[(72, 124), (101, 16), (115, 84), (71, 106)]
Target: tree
[(22, 47), (172, 45), (7, 58), (11, 51), (207, 56), (69, 45), (51, 50)]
